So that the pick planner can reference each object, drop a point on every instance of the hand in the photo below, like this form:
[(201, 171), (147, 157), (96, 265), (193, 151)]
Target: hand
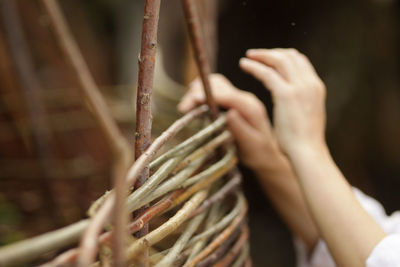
[(298, 95), (247, 119)]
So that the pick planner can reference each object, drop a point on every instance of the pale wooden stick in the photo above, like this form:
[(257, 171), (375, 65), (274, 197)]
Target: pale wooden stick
[(206, 182), (168, 227), (226, 220), (213, 217), (178, 181), (171, 184), (212, 169), (210, 146), (188, 144), (182, 241), (219, 239), (229, 187), (30, 249)]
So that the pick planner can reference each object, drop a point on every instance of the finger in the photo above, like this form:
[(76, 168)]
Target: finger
[(241, 130), (247, 104), (267, 75), (194, 97), (275, 58)]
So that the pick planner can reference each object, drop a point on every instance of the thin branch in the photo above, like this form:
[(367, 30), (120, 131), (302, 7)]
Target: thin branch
[(207, 181), (219, 239), (168, 227), (228, 188), (237, 247), (223, 222), (223, 138), (195, 34), (116, 140), (182, 241), (30, 249), (220, 251), (180, 180), (213, 216), (191, 142), (220, 164), (147, 59), (243, 257)]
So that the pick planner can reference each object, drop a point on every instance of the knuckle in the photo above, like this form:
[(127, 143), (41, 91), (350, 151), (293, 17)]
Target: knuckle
[(293, 51)]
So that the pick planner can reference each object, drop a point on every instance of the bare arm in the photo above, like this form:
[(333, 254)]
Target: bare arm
[(258, 149), (299, 96)]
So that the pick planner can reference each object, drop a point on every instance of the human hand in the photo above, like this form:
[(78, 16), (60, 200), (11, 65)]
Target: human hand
[(298, 95), (247, 119)]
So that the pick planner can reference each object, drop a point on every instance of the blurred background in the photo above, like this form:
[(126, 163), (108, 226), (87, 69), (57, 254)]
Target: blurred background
[(54, 160)]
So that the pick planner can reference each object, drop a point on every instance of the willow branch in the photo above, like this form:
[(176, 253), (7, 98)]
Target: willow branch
[(182, 241), (191, 142), (243, 257), (213, 217), (226, 220), (168, 227), (237, 247), (228, 188), (147, 59), (197, 40), (116, 140), (30, 249), (171, 184), (212, 169), (223, 138), (194, 160), (207, 181), (219, 239), (220, 251)]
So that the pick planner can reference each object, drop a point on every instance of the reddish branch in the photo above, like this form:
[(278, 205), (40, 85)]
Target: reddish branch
[(237, 247), (219, 239), (220, 251), (147, 60), (118, 143), (197, 40)]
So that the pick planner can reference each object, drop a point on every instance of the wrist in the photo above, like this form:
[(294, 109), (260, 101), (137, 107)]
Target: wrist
[(308, 150), (272, 167)]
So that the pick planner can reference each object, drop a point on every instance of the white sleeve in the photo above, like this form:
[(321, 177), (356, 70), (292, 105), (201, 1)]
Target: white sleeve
[(320, 256), (386, 253)]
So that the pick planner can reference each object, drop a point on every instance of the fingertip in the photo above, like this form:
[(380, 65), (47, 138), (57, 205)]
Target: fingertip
[(251, 52), (244, 62), (183, 107)]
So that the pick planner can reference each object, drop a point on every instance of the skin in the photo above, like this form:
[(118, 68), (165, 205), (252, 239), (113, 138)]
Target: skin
[(291, 159)]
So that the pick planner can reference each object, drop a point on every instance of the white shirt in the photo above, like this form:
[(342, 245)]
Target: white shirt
[(385, 254)]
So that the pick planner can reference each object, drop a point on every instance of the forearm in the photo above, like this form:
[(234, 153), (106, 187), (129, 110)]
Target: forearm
[(284, 193), (349, 231)]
